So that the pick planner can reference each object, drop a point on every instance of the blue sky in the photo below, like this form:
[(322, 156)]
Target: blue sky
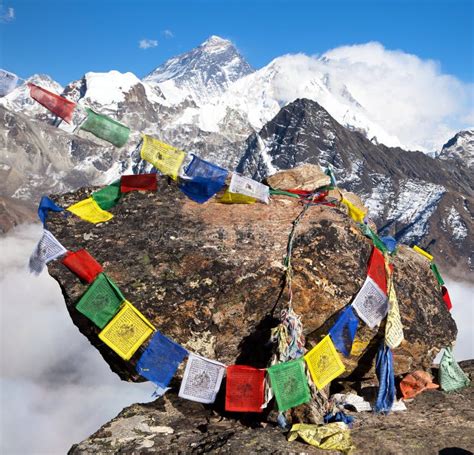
[(66, 38)]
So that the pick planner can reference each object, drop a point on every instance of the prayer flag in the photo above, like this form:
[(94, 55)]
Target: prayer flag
[(451, 376), (423, 252), (235, 198), (339, 416), (343, 331), (106, 128), (446, 298), (390, 243), (109, 196), (83, 265), (249, 187), (160, 360), (89, 211), (127, 331), (354, 212), (386, 377), (289, 383), (244, 389), (101, 301), (324, 363), (202, 379), (166, 158), (376, 269), (367, 231), (438, 276), (371, 303), (47, 249), (415, 383), (393, 327), (138, 182), (45, 206), (8, 82), (58, 105)]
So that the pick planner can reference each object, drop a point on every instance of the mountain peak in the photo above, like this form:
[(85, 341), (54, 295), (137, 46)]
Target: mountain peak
[(215, 41)]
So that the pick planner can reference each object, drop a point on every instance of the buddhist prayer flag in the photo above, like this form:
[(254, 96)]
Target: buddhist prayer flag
[(324, 363), (376, 269), (101, 301), (89, 211), (234, 198), (108, 196), (58, 105), (164, 157), (244, 389), (8, 82), (386, 377), (390, 243), (371, 303), (47, 249), (289, 383), (106, 128), (127, 331), (423, 253), (160, 360), (249, 187), (415, 383), (202, 379), (451, 376), (374, 237), (354, 212), (393, 327), (138, 182), (83, 265), (45, 206), (342, 333), (438, 276), (446, 298)]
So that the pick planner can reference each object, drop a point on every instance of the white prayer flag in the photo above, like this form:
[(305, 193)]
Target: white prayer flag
[(371, 303), (47, 249), (202, 379), (398, 405), (7, 82), (394, 328), (249, 187)]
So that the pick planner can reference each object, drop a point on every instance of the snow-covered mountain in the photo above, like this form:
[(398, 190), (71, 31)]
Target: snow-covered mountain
[(460, 148)]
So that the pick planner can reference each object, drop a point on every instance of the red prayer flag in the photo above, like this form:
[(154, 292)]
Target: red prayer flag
[(83, 265), (244, 389), (446, 298), (376, 269), (138, 182), (58, 105)]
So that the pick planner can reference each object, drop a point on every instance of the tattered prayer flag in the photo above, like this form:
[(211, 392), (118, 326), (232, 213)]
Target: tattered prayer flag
[(109, 196), (393, 327), (58, 105), (371, 303), (354, 212), (47, 249), (249, 187), (376, 269), (374, 237), (451, 376), (415, 383), (88, 210), (330, 171), (446, 298), (342, 333), (202, 379), (339, 416), (423, 252), (45, 206), (289, 383), (386, 377), (8, 82), (101, 301), (244, 389), (138, 182), (166, 158), (160, 360), (235, 198), (334, 436), (106, 128), (436, 273), (83, 265), (127, 331), (324, 363)]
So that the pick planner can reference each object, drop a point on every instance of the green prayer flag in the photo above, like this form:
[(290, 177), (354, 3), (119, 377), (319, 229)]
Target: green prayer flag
[(106, 128), (374, 237), (437, 274), (289, 383), (451, 376), (101, 301), (108, 196)]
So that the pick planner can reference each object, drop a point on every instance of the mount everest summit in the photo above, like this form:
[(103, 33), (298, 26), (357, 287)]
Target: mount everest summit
[(210, 101)]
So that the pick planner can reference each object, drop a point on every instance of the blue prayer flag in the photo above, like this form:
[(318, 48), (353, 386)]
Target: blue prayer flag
[(343, 331), (45, 205), (386, 377), (390, 243), (339, 417)]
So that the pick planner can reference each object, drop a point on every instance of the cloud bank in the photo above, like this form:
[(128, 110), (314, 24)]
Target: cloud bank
[(147, 43)]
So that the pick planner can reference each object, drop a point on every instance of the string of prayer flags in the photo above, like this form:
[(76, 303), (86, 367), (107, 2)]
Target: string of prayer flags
[(342, 333), (166, 158), (127, 331), (160, 360), (235, 198), (202, 379), (101, 301), (45, 206), (58, 105), (334, 436), (423, 253), (371, 303), (248, 187), (415, 383), (376, 269), (106, 128), (354, 212), (244, 389), (206, 180), (108, 196), (8, 82), (47, 249), (386, 377), (138, 182), (446, 298), (324, 363), (83, 265), (450, 374), (89, 211), (436, 273), (289, 384)]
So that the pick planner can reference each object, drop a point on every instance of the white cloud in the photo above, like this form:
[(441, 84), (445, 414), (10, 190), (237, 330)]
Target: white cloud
[(147, 43), (167, 34), (6, 14)]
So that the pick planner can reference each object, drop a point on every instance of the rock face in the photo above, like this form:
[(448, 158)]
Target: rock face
[(211, 277)]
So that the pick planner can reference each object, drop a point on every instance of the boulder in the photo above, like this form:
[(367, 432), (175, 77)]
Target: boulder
[(307, 177)]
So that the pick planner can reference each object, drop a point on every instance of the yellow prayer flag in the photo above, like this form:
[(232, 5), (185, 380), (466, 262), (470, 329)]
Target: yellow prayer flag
[(423, 252), (166, 158), (354, 212), (127, 331), (358, 347), (393, 328), (324, 363), (236, 198), (89, 210)]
